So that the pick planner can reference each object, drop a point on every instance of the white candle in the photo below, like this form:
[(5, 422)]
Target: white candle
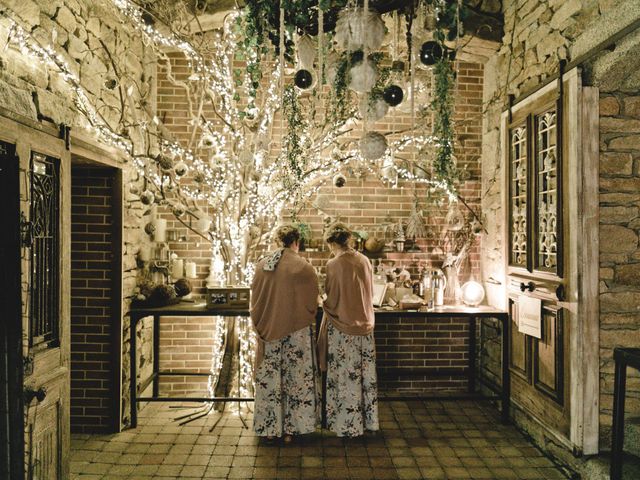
[(144, 254), (160, 234), (177, 268), (191, 269)]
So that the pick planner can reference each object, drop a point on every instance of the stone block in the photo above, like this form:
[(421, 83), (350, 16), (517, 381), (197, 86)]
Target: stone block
[(616, 163), (619, 125), (606, 273), (76, 48), (617, 239), (620, 318), (628, 274), (66, 19), (632, 106), (17, 101), (619, 214), (548, 46), (567, 9), (620, 185), (619, 198), (609, 106), (27, 10), (54, 107)]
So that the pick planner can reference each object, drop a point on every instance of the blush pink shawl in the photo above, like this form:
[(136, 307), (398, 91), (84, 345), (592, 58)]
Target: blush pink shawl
[(284, 300), (349, 303)]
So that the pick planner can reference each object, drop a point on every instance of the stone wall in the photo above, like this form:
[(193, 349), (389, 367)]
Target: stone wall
[(85, 33), (538, 34), (619, 246)]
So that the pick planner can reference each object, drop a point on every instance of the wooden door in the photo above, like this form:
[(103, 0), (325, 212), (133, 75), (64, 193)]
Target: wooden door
[(546, 216), (535, 212), (44, 279), (11, 408)]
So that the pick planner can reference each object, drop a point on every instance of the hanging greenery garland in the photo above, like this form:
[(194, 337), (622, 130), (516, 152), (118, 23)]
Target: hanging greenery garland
[(442, 105)]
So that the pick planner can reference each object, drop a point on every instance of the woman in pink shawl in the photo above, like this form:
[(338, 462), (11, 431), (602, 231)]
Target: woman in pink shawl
[(284, 302), (346, 347)]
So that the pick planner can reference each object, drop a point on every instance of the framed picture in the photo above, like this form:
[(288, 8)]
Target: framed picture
[(379, 290)]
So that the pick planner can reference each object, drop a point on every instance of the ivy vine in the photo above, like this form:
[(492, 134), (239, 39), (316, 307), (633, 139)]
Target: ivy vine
[(293, 142), (442, 104)]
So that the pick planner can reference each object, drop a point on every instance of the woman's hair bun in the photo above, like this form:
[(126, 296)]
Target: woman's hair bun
[(338, 233), (287, 235)]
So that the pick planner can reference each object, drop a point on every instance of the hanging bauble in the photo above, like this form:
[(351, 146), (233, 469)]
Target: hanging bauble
[(451, 54), (306, 51), (178, 210), (373, 109), (303, 79), (372, 145), (149, 229), (180, 168), (358, 30), (393, 95), (165, 162), (363, 76), (339, 180), (430, 52), (147, 197)]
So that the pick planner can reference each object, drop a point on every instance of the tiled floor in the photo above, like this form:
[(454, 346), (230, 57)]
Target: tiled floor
[(431, 440)]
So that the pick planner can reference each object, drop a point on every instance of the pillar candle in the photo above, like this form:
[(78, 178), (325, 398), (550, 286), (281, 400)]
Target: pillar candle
[(160, 234), (177, 268), (191, 269)]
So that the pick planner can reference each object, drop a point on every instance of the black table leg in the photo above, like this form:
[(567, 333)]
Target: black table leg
[(156, 353), (472, 355), (506, 379), (133, 383), (617, 434)]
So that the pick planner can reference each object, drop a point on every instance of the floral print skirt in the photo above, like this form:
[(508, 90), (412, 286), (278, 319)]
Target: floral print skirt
[(287, 387), (352, 391)]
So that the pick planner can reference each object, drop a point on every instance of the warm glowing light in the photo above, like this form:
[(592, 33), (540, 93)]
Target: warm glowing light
[(472, 293)]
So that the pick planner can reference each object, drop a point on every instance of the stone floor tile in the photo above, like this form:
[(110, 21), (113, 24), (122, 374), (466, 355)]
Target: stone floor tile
[(432, 440)]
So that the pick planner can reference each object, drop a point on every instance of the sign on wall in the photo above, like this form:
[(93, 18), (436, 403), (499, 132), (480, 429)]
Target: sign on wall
[(530, 316)]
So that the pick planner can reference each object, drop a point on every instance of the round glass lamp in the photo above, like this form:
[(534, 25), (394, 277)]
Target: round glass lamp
[(472, 293)]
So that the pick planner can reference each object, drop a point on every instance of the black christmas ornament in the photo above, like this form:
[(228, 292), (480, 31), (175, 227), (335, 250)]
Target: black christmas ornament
[(393, 95), (303, 79), (430, 53), (451, 54)]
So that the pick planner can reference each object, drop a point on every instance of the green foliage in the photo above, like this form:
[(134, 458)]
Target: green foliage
[(442, 104), (294, 144)]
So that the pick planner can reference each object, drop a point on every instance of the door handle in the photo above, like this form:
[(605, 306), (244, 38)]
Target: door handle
[(527, 286), (30, 394)]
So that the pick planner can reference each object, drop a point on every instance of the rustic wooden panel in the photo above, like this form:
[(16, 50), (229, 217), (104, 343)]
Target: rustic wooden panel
[(518, 344)]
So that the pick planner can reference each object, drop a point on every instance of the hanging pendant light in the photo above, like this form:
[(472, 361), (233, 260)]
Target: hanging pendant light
[(303, 79), (431, 52), (393, 95)]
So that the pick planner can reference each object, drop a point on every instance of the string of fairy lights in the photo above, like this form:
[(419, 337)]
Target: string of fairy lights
[(224, 153)]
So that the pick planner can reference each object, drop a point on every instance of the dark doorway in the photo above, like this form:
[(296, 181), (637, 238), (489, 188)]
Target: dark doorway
[(11, 404), (96, 254)]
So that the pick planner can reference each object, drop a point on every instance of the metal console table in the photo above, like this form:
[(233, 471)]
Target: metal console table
[(179, 310), (188, 310), (624, 357)]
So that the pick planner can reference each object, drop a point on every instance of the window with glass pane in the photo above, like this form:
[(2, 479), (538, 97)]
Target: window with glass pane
[(546, 192), (45, 248), (519, 196)]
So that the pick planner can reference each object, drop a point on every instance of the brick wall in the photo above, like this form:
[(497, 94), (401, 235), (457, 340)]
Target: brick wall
[(415, 354), (437, 347), (365, 203), (92, 297)]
